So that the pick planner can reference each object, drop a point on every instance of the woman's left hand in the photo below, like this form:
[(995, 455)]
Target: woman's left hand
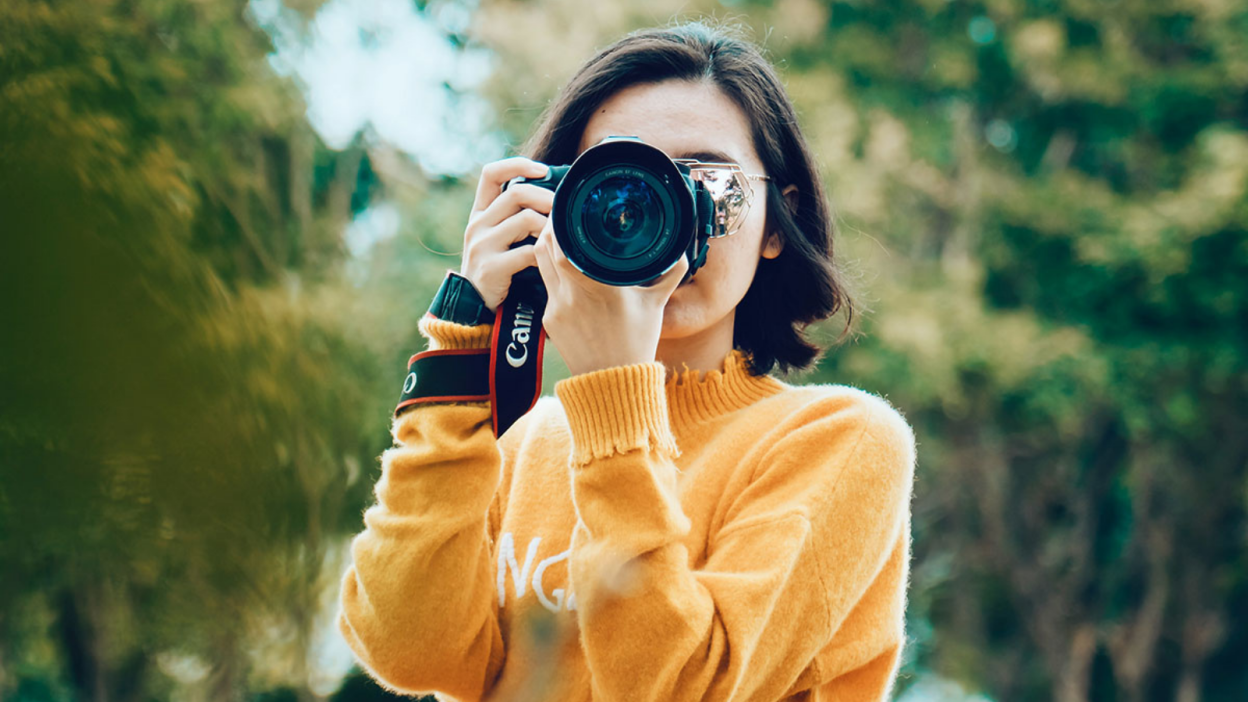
[(595, 325)]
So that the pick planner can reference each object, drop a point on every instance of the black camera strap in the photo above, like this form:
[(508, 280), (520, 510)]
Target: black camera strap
[(508, 374), (446, 375), (516, 350)]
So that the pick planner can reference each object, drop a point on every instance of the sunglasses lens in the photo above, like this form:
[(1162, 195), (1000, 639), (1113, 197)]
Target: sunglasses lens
[(730, 193)]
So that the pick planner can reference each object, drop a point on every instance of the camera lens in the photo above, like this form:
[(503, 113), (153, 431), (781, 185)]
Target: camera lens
[(624, 212), (623, 216)]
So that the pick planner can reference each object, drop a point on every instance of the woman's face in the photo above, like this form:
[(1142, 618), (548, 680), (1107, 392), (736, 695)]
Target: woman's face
[(696, 120)]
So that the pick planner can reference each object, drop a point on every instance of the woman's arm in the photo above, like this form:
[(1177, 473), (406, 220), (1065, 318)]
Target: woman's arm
[(418, 603), (806, 560)]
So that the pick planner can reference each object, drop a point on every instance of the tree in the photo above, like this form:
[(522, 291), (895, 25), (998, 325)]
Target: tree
[(188, 407)]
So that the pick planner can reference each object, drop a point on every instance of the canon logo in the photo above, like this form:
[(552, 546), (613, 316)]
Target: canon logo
[(520, 336)]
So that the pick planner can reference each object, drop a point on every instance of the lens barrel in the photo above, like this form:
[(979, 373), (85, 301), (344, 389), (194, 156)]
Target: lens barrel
[(624, 212)]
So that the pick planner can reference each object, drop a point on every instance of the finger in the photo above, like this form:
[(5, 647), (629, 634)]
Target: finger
[(495, 173), (516, 198), (509, 263), (669, 281), (545, 262), (525, 224), (562, 264)]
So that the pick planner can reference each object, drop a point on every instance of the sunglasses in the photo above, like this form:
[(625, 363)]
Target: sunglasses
[(730, 190)]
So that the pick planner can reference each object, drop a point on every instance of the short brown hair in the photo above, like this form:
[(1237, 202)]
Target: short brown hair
[(803, 284)]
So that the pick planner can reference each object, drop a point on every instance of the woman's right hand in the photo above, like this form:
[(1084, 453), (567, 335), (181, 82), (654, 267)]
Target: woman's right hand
[(499, 219)]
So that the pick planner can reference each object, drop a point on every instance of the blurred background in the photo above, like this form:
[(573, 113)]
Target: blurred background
[(222, 222)]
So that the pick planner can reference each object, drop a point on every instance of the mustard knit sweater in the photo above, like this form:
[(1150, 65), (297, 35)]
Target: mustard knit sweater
[(637, 538)]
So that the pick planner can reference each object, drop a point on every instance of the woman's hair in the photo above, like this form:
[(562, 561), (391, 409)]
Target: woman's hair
[(803, 284)]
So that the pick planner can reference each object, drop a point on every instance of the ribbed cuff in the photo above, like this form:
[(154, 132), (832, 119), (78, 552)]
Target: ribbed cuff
[(444, 334), (616, 410)]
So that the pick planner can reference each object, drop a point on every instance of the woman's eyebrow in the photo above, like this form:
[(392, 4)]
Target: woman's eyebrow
[(708, 157)]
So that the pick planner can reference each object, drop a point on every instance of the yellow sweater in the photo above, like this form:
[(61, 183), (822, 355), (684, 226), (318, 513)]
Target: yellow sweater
[(636, 538)]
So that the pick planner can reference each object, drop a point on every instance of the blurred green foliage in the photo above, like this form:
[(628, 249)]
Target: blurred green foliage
[(1044, 205), (190, 411)]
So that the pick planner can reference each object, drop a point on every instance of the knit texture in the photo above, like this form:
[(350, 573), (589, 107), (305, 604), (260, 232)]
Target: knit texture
[(444, 334), (717, 536), (616, 410)]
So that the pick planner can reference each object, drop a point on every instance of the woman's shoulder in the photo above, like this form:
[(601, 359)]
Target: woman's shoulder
[(837, 407), (861, 434)]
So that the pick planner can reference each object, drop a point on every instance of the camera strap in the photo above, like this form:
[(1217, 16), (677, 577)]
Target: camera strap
[(446, 375), (516, 350), (508, 374)]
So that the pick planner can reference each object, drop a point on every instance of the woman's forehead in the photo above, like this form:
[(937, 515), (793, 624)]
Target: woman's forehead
[(684, 119)]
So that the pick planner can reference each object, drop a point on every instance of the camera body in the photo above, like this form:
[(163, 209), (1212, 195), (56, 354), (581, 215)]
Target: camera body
[(625, 213)]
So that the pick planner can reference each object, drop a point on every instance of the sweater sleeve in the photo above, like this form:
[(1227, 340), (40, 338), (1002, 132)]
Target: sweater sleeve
[(417, 604), (799, 571)]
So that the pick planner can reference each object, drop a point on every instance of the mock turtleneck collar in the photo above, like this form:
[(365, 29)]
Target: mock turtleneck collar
[(692, 399)]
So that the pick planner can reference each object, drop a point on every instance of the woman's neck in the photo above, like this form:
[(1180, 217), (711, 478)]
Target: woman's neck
[(703, 352)]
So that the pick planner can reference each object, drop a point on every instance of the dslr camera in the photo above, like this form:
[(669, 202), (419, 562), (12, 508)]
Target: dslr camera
[(624, 212)]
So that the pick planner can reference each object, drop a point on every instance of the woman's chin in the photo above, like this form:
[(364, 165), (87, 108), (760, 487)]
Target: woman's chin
[(677, 315)]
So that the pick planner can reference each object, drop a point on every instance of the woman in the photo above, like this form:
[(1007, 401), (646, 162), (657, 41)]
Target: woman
[(649, 533)]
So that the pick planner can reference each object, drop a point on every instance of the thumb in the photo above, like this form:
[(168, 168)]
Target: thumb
[(669, 281)]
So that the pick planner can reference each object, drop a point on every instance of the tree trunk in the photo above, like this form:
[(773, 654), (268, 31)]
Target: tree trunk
[(1076, 676)]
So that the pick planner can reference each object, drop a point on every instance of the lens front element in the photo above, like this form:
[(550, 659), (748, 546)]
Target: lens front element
[(623, 216)]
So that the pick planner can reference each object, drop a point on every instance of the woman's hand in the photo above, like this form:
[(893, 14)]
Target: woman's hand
[(595, 325), (499, 219)]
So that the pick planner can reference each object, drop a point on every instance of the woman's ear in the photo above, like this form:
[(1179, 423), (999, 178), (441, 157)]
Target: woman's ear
[(775, 242), (790, 195), (774, 245)]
